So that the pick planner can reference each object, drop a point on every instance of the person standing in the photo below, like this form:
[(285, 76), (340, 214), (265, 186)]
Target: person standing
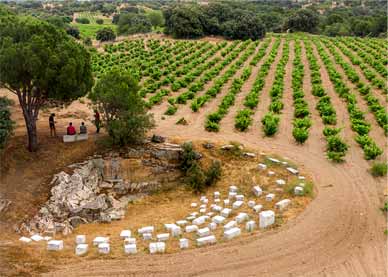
[(52, 125), (97, 121)]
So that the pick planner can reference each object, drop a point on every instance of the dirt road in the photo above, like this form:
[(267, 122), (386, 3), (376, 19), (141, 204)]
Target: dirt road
[(341, 233)]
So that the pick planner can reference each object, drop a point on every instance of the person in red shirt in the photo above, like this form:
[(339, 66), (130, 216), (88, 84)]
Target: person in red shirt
[(71, 130)]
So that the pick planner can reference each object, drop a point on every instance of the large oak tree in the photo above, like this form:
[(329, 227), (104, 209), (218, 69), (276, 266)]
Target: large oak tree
[(39, 62)]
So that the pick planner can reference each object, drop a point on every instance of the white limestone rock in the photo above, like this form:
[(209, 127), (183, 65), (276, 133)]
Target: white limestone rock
[(80, 239), (104, 248), (181, 222), (206, 240), (130, 248), (190, 218), (282, 204), (191, 228), (55, 245), (81, 249), (262, 166), (271, 173), (147, 229), (183, 243), (233, 189), (241, 217), (37, 238), (280, 182), (266, 218), (176, 231), (130, 241), (237, 204), (217, 194), (125, 234), (218, 219), (193, 205), (216, 208), (202, 211), (240, 197), (276, 161), (226, 202), (200, 220), (203, 232), (298, 190), (301, 178), (257, 191), (269, 197), (232, 233), (25, 240), (157, 247), (163, 237), (217, 201), (226, 212), (99, 240), (257, 208), (292, 170), (147, 236), (232, 195), (169, 226), (212, 226), (251, 203), (230, 225), (250, 226)]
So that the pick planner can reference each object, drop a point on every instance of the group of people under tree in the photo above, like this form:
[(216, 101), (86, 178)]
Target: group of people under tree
[(70, 130)]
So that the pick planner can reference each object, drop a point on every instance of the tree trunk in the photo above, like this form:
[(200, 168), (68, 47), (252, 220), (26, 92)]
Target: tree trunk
[(32, 134), (30, 108)]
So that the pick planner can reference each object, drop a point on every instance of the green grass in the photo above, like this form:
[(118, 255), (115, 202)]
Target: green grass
[(90, 30)]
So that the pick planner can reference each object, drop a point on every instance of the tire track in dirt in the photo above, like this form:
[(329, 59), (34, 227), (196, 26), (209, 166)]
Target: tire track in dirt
[(317, 243), (228, 121), (376, 132), (265, 99)]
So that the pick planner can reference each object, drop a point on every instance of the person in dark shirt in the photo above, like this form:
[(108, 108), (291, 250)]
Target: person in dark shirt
[(97, 121), (52, 125), (83, 129), (71, 130)]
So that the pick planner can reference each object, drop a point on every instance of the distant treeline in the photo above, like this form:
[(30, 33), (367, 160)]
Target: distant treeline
[(231, 19)]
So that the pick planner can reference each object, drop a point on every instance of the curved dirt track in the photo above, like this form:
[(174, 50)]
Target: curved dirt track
[(339, 234)]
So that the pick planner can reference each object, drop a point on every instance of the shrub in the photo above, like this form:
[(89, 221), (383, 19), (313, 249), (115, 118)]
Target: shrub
[(213, 174), (188, 156), (171, 110), (212, 126), (300, 134), (123, 110), (99, 21), (379, 170), (336, 148), (372, 151), (328, 131), (195, 177), (105, 34), (270, 124), (82, 20), (243, 119)]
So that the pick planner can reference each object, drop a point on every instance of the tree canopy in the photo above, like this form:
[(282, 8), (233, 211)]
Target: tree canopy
[(123, 109), (131, 23), (39, 62), (303, 20), (105, 34)]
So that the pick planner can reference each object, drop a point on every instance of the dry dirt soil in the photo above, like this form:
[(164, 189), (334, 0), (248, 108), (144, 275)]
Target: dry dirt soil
[(341, 233)]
